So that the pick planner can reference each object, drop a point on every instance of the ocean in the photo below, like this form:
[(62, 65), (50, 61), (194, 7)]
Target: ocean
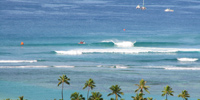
[(122, 46)]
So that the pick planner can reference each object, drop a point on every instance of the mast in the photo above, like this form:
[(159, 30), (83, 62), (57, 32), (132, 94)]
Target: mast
[(143, 3)]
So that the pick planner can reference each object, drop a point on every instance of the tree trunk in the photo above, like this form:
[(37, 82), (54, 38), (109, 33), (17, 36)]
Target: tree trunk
[(62, 90), (88, 92), (116, 97), (166, 96)]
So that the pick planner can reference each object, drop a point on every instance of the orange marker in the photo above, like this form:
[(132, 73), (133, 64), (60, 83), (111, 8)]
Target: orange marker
[(124, 29), (22, 43)]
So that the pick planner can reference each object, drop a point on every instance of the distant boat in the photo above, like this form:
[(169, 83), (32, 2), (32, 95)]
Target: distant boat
[(169, 10), (138, 7), (143, 8)]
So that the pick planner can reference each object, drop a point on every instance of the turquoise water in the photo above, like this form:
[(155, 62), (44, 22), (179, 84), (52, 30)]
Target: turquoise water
[(159, 47)]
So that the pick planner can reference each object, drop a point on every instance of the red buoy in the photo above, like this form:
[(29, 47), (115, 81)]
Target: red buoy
[(22, 43)]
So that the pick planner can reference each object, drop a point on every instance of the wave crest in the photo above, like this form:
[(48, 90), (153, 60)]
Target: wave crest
[(18, 61), (187, 59), (64, 66), (121, 43), (23, 66), (127, 50), (182, 68)]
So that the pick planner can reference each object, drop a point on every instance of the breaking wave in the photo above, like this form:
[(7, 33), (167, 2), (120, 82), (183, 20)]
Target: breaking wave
[(127, 50), (114, 66), (24, 66), (187, 59), (121, 43), (18, 61), (64, 66), (173, 67), (183, 68)]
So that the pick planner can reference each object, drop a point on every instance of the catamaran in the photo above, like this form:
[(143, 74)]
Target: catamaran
[(143, 8)]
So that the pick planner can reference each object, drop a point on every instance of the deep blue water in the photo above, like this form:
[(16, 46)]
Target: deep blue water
[(161, 47)]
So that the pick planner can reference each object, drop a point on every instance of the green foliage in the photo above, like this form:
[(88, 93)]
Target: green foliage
[(138, 96), (76, 96), (184, 95), (167, 91), (112, 99), (63, 79), (90, 84), (116, 90), (21, 98), (96, 96), (142, 86), (149, 98)]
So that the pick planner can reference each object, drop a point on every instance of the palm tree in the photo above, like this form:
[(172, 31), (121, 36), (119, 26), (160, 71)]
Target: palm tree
[(90, 84), (76, 96), (96, 96), (21, 98), (184, 95), (116, 90), (63, 79), (138, 96), (142, 86), (149, 98), (167, 91)]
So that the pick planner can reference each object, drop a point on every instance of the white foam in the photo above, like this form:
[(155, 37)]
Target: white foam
[(174, 67), (121, 67), (18, 61), (99, 65), (182, 68), (125, 44), (64, 66), (187, 59), (71, 52), (121, 43), (126, 50), (23, 66)]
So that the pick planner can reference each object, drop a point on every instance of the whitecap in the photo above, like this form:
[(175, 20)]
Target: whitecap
[(121, 43), (127, 50), (71, 52), (23, 66), (64, 66), (187, 59), (18, 61), (182, 68), (121, 67)]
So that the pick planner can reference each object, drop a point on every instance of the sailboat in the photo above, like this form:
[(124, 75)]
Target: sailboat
[(143, 8), (138, 7), (169, 10)]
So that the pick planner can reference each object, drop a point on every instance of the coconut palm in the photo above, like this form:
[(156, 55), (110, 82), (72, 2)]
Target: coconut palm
[(167, 91), (138, 96), (76, 96), (90, 84), (184, 95), (21, 98), (149, 98), (142, 86), (96, 96), (116, 90), (63, 79)]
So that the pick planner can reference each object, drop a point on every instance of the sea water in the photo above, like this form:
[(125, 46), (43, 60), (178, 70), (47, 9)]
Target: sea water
[(122, 46)]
